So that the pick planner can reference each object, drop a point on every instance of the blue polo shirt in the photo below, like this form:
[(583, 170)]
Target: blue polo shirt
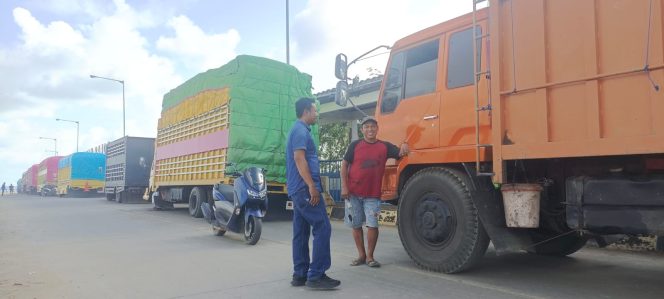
[(300, 138)]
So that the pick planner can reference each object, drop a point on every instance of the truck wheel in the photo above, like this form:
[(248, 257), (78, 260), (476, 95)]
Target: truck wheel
[(109, 196), (252, 230), (561, 246), (196, 198), (118, 197), (438, 223)]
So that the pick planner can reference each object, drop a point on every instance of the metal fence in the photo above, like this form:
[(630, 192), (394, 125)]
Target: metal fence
[(332, 169)]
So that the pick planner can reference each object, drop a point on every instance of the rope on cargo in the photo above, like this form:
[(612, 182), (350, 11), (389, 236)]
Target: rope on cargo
[(646, 67)]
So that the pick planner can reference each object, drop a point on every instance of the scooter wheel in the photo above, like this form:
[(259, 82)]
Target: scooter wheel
[(218, 231), (252, 230)]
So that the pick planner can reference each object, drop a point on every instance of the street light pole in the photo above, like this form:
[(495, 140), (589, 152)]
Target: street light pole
[(124, 132), (77, 128), (55, 148)]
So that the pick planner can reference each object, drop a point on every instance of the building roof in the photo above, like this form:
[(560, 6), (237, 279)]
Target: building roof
[(355, 89)]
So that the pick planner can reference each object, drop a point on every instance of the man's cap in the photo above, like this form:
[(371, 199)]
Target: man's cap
[(368, 119)]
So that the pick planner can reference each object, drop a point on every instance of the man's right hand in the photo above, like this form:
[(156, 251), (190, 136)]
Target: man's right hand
[(314, 198)]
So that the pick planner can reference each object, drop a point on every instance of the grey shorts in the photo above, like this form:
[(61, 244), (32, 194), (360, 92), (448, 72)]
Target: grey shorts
[(361, 210)]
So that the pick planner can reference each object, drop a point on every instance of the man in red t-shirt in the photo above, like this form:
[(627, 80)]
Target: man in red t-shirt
[(361, 176)]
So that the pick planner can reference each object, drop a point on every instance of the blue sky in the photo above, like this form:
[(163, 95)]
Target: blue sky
[(48, 49)]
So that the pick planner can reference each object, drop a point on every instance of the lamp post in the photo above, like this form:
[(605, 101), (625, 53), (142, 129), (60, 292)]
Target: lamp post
[(55, 147), (287, 35), (123, 98), (77, 127)]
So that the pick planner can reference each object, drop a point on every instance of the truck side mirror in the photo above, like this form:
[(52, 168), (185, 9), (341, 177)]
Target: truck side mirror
[(341, 67), (341, 93)]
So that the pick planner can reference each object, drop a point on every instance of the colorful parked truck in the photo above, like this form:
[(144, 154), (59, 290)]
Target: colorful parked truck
[(535, 124), (82, 174), (239, 113), (47, 178), (30, 179), (128, 163)]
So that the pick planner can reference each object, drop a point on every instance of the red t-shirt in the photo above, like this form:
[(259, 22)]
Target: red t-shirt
[(367, 165)]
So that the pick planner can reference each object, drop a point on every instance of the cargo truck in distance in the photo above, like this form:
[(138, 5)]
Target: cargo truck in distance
[(533, 124), (81, 175), (128, 164), (30, 179), (239, 113), (47, 177)]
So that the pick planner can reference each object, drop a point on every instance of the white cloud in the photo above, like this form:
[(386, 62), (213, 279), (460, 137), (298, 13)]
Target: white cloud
[(46, 76), (197, 49)]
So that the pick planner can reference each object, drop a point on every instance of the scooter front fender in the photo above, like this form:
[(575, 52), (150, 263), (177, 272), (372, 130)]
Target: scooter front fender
[(253, 212)]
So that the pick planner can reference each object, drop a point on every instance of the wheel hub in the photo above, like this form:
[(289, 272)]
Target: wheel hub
[(435, 220)]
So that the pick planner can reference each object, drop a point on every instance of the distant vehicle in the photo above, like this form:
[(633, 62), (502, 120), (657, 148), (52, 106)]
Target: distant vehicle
[(128, 164), (47, 178), (535, 125), (82, 174), (30, 179), (240, 112), (19, 186)]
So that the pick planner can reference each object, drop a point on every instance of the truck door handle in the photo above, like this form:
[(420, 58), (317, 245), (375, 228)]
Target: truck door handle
[(430, 117)]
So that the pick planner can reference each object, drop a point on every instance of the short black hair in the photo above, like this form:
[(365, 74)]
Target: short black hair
[(303, 104)]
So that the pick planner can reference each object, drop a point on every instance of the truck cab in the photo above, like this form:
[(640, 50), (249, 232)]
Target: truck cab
[(512, 100)]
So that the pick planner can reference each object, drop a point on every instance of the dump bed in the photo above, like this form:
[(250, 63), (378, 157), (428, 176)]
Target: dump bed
[(240, 113), (128, 162), (576, 78)]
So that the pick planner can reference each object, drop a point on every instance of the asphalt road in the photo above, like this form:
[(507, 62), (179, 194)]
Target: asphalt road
[(92, 248)]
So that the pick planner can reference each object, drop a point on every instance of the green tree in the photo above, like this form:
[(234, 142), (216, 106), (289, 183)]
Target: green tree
[(334, 139)]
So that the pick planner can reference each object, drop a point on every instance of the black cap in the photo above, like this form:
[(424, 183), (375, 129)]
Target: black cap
[(368, 119)]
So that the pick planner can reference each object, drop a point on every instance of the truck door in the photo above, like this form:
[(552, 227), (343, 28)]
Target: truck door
[(457, 109), (408, 109)]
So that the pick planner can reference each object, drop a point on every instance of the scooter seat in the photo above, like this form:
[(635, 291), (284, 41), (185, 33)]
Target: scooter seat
[(227, 191)]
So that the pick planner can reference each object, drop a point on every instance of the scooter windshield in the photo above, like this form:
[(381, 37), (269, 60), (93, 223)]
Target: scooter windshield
[(255, 178)]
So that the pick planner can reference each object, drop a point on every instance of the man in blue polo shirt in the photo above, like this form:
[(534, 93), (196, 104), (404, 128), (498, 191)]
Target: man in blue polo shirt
[(309, 214)]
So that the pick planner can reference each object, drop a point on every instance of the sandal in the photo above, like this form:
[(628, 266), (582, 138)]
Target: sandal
[(373, 264), (357, 262)]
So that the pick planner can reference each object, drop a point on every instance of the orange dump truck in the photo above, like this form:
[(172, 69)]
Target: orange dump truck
[(533, 124)]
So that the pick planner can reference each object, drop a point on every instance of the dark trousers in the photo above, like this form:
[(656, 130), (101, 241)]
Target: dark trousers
[(310, 219)]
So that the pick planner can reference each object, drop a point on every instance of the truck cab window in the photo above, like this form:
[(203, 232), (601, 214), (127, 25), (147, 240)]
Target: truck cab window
[(460, 59), (421, 63), (393, 90), (418, 78)]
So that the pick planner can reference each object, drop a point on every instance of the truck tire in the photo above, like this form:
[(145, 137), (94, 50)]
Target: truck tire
[(438, 223), (196, 198), (561, 246), (110, 196), (119, 197)]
